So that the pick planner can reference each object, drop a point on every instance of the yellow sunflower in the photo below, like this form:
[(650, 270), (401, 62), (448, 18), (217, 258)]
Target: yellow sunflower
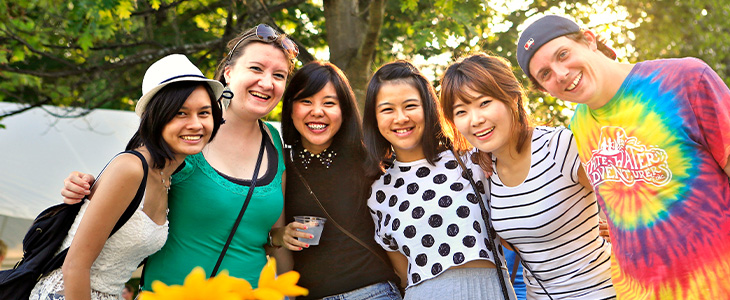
[(225, 287)]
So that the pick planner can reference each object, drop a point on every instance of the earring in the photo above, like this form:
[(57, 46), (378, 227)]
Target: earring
[(226, 97)]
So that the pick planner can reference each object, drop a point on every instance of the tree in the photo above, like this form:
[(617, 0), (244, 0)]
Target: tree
[(688, 28), (94, 53)]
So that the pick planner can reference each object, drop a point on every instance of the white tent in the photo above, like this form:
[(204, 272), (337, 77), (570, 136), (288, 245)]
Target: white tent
[(38, 150)]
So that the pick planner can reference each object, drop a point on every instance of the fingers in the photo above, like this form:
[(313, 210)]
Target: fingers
[(603, 230), (76, 186), (79, 179), (291, 234)]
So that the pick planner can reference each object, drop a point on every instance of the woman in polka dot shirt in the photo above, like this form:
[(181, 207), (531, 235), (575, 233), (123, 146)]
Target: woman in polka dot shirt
[(541, 200), (426, 213)]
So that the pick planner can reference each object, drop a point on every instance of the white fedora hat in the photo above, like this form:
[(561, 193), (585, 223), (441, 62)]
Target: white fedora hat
[(169, 69)]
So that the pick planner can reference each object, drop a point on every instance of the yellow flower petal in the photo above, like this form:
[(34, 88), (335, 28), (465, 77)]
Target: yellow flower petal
[(242, 288), (147, 295), (284, 284), (268, 273), (267, 294), (196, 278), (159, 286), (290, 277)]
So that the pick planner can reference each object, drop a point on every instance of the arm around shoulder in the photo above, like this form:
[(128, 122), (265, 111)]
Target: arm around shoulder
[(76, 186)]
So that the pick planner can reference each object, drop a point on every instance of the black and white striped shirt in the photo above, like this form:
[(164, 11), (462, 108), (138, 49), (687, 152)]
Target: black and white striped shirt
[(553, 221)]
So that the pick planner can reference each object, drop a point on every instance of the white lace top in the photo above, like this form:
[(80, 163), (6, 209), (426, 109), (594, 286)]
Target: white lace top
[(119, 258)]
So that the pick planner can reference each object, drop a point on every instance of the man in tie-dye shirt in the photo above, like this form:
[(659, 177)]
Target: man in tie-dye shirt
[(654, 139)]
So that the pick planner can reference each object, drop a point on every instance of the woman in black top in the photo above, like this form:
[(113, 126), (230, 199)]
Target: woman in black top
[(321, 123)]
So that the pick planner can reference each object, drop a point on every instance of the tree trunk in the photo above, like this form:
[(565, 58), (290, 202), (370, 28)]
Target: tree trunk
[(353, 29)]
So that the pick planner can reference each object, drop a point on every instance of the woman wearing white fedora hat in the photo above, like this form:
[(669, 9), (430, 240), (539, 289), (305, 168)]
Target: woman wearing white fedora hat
[(210, 193), (179, 116)]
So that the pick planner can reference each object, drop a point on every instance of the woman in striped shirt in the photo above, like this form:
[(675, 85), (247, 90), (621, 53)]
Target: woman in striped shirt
[(541, 200)]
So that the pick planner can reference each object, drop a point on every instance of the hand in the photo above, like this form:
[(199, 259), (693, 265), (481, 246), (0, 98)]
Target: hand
[(286, 236), (76, 186), (603, 230)]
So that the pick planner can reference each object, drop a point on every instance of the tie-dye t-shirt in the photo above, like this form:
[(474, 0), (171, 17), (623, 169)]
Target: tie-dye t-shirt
[(655, 155)]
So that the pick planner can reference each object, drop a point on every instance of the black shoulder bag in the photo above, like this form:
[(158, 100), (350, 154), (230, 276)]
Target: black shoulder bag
[(46, 236)]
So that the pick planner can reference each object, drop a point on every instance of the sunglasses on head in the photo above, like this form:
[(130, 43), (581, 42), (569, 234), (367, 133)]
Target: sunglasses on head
[(267, 34)]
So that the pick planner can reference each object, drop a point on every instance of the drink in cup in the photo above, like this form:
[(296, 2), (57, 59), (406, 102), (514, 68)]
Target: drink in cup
[(314, 227)]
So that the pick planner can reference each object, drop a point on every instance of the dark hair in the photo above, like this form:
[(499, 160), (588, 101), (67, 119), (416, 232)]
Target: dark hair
[(311, 79), (246, 38), (434, 138), (579, 37), (129, 287), (162, 108), (488, 76)]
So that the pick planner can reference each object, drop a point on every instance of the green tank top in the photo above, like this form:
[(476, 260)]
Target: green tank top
[(203, 207)]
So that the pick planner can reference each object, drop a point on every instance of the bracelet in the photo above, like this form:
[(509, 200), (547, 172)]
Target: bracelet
[(270, 240)]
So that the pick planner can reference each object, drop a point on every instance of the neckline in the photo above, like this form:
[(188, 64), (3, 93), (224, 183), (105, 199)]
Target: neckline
[(529, 172), (608, 107)]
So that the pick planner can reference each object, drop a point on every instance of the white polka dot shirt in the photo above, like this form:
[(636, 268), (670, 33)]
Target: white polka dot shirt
[(431, 215)]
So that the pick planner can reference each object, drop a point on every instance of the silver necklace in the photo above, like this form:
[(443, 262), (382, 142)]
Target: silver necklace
[(165, 183)]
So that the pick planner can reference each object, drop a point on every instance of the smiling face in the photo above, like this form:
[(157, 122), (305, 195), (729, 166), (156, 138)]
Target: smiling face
[(485, 122), (400, 116), (190, 129), (257, 80), (318, 118), (572, 71)]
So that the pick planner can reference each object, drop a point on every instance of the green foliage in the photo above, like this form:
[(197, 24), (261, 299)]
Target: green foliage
[(688, 28), (93, 53)]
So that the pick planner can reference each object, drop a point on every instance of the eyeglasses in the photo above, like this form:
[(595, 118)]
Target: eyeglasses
[(267, 34)]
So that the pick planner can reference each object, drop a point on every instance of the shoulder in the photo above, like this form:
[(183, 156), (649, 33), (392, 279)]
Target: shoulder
[(274, 135), (126, 165), (673, 65), (124, 170), (553, 134)]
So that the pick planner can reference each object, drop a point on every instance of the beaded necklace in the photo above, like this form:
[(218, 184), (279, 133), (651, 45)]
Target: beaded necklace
[(325, 157)]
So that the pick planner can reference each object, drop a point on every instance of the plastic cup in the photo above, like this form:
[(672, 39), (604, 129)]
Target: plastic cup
[(314, 227)]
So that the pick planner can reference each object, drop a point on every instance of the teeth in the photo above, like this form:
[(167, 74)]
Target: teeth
[(575, 82), (260, 95), (483, 133), (316, 126), (191, 137), (399, 131)]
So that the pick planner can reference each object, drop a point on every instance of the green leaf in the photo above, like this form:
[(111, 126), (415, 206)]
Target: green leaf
[(124, 9), (408, 5), (18, 54), (85, 41), (155, 4)]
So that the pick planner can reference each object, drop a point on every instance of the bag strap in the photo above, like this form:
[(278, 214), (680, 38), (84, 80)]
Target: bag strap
[(487, 223), (515, 266), (264, 138), (57, 260), (332, 220), (518, 256)]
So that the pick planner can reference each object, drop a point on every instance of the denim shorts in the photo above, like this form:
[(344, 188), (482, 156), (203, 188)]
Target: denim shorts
[(385, 290)]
